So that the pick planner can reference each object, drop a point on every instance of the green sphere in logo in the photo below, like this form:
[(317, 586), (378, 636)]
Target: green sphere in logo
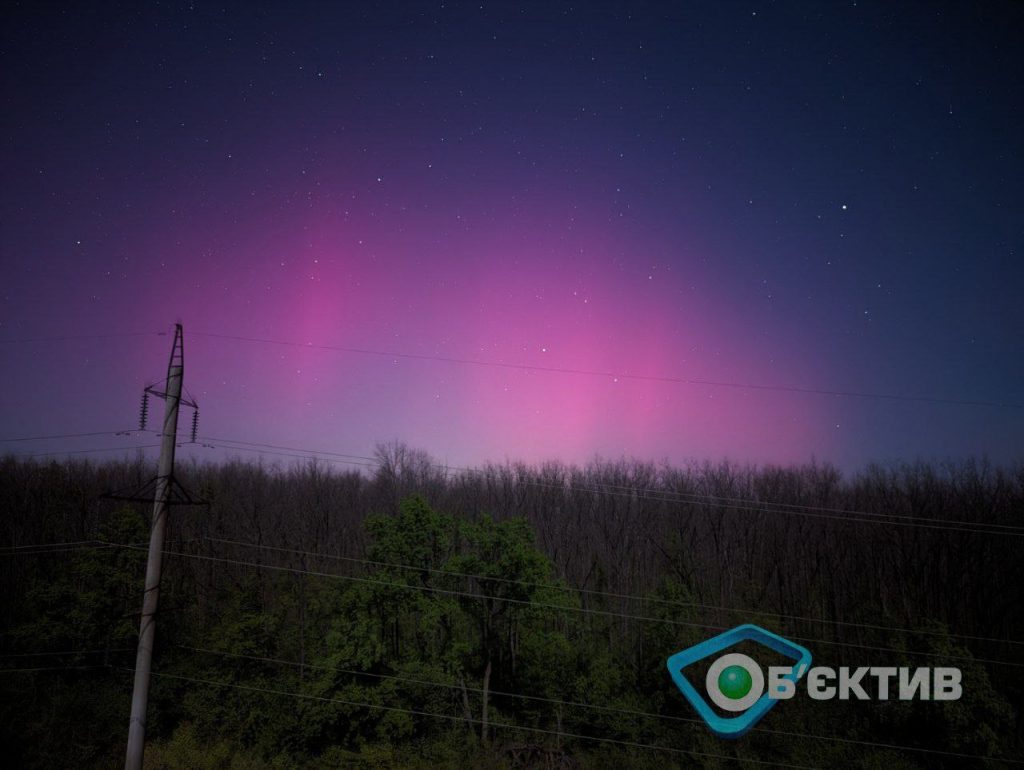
[(734, 682)]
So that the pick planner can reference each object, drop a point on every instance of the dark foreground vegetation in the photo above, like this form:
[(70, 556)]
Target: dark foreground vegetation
[(510, 617)]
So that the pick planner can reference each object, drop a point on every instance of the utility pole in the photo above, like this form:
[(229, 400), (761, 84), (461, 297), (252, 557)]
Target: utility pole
[(151, 596)]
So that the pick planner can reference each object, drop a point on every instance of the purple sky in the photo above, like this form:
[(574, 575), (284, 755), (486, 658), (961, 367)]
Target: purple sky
[(796, 195)]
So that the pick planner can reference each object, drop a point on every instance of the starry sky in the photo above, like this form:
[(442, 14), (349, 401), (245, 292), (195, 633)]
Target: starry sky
[(685, 231)]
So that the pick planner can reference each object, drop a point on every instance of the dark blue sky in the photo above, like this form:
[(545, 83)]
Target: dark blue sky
[(819, 196)]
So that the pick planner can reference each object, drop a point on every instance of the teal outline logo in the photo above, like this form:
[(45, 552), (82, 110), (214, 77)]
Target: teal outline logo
[(736, 727)]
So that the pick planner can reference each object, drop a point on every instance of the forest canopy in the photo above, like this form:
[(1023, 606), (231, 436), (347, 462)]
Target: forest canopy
[(511, 616)]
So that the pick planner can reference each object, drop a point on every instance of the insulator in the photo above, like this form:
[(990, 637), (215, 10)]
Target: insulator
[(144, 410), (195, 425)]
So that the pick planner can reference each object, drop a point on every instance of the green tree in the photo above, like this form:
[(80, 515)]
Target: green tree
[(473, 606)]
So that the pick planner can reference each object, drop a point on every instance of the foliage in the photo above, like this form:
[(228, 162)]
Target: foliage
[(518, 609)]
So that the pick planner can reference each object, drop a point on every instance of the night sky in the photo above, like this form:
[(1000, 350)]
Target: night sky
[(809, 196)]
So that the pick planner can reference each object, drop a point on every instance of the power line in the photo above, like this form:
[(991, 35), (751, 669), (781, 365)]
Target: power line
[(608, 594), (659, 495), (75, 545), (59, 550), (687, 496), (90, 451), (208, 445), (554, 701), (456, 718), (47, 545), (38, 548), (36, 552), (51, 668), (621, 376), (67, 435), (547, 605), (289, 448), (82, 337), (428, 683), (63, 652), (99, 545), (497, 693), (756, 507), (656, 495), (414, 712), (844, 514), (578, 704), (669, 496)]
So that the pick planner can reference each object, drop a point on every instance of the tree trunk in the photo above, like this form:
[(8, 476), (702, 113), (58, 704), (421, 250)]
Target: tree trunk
[(465, 705), (486, 688)]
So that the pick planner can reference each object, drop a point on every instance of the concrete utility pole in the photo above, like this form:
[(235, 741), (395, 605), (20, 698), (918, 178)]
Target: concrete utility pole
[(161, 504)]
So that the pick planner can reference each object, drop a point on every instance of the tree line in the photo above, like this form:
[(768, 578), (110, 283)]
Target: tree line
[(512, 615)]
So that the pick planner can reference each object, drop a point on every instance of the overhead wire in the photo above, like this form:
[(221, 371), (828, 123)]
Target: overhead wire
[(62, 653), (607, 594), (492, 692), (205, 443), (574, 484), (548, 605), (58, 547), (700, 496), (496, 693), (40, 549), (66, 337), (51, 668), (76, 545), (618, 375), (69, 549), (289, 448), (68, 435), (579, 704), (49, 545), (472, 720), (755, 507), (656, 495), (89, 451), (549, 369)]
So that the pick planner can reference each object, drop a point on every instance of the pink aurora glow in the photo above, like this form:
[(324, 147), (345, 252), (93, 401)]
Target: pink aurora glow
[(533, 293)]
